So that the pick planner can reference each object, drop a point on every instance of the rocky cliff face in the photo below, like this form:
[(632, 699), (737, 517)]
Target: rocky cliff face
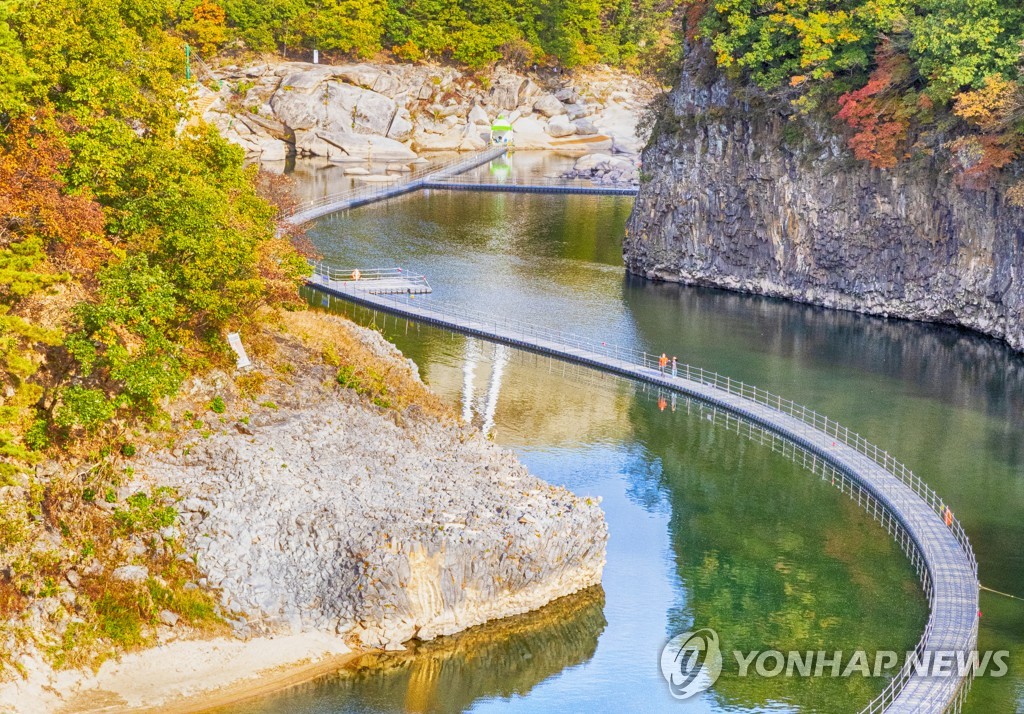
[(739, 194)]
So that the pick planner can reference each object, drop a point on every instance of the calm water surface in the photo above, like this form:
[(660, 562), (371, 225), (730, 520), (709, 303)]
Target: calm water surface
[(707, 529)]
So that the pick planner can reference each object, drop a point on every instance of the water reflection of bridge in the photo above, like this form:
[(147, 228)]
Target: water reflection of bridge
[(911, 512)]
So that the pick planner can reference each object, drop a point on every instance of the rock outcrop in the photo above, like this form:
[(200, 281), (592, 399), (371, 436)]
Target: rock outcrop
[(606, 170), (741, 194), (388, 113), (332, 514)]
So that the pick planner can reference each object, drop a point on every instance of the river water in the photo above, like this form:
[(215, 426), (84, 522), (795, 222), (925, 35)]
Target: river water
[(707, 529)]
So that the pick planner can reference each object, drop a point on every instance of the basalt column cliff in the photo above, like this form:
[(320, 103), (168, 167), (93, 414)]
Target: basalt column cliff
[(739, 193)]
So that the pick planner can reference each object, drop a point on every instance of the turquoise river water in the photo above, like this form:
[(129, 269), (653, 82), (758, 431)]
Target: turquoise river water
[(707, 529)]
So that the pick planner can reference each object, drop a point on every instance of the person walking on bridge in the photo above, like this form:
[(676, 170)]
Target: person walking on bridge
[(663, 362)]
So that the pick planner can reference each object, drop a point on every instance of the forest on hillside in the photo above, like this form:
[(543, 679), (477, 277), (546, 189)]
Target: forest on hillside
[(132, 241), (638, 35), (903, 78), (128, 244)]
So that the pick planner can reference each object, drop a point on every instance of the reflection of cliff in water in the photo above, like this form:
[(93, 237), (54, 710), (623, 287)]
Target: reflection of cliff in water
[(534, 397), (539, 400), (771, 557), (499, 659), (949, 364)]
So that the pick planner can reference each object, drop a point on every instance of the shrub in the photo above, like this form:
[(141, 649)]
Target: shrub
[(408, 52), (82, 407), (120, 613), (217, 405), (144, 513), (347, 378), (37, 437), (251, 385)]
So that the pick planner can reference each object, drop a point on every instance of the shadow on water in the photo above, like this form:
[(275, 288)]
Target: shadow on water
[(937, 362), (506, 658), (948, 403)]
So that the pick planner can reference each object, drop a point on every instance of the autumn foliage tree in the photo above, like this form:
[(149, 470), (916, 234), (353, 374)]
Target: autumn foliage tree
[(877, 112), (127, 247), (891, 71), (48, 238), (207, 28), (993, 110)]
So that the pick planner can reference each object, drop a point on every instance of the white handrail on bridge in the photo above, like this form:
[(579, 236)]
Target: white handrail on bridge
[(326, 273)]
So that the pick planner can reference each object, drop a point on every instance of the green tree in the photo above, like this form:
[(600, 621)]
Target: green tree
[(266, 24), (123, 244), (352, 27), (128, 334), (958, 43)]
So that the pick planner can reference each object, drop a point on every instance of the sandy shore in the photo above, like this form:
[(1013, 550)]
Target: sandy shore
[(179, 677)]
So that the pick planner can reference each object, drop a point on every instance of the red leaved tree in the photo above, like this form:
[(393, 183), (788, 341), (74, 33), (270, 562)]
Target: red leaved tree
[(876, 111)]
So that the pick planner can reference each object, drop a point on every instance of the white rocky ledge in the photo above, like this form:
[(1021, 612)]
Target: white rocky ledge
[(337, 519)]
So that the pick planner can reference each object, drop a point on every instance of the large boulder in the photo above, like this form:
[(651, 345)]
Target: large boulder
[(312, 100), (590, 162), (529, 90), (272, 149), (577, 111), (388, 85), (549, 106), (307, 143), (271, 128), (560, 126), (585, 127), (620, 124), (365, 148), (506, 93), (477, 115), (401, 126), (529, 134), (567, 94), (474, 138), (425, 141), (504, 96), (307, 79), (370, 113), (472, 143)]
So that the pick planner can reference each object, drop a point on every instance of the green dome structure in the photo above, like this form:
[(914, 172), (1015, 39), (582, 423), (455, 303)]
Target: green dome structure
[(501, 130)]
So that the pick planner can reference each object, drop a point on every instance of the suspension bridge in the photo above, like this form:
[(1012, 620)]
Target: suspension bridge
[(920, 522)]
